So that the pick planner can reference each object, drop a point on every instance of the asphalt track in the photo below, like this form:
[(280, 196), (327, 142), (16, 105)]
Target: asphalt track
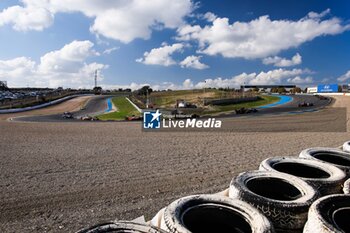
[(290, 107), (99, 104), (95, 106)]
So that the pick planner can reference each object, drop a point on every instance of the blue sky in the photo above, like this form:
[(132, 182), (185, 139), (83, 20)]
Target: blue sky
[(175, 44)]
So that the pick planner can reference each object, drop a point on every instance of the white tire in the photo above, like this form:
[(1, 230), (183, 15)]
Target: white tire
[(325, 178), (346, 146), (334, 156), (283, 198), (329, 214), (213, 213), (346, 188), (122, 226)]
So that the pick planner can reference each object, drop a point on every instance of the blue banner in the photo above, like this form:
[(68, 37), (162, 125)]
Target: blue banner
[(327, 88)]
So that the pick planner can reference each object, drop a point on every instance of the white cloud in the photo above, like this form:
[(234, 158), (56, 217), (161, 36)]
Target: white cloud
[(65, 67), (67, 58), (161, 56), (299, 80), (283, 62), (277, 76), (26, 18), (261, 37), (344, 77), (209, 16), (110, 50), (121, 20), (193, 62)]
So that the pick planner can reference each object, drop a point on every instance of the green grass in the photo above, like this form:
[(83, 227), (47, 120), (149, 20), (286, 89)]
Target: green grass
[(168, 98), (124, 109), (226, 108)]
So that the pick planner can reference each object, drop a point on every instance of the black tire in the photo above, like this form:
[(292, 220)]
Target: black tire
[(212, 213), (122, 226), (329, 214), (283, 198), (346, 188), (346, 146), (324, 177), (334, 156)]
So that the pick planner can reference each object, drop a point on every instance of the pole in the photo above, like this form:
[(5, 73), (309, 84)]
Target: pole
[(95, 78)]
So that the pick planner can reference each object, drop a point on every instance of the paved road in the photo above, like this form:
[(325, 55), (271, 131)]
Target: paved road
[(290, 107), (95, 106), (98, 105)]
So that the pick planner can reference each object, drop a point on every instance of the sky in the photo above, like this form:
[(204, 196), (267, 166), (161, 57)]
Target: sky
[(174, 44)]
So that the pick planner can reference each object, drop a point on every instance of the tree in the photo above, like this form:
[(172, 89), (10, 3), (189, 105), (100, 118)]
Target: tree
[(97, 90), (340, 89), (295, 90), (281, 90), (145, 90)]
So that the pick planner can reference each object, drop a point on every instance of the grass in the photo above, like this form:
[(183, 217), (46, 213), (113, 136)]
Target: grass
[(226, 108), (168, 99), (124, 109)]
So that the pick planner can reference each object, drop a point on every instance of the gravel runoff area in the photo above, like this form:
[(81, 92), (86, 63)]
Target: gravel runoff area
[(60, 177)]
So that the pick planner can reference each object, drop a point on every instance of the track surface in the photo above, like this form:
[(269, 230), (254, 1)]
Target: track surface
[(290, 107), (96, 105)]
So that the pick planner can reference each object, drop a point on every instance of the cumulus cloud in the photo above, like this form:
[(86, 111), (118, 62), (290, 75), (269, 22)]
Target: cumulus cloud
[(299, 80), (209, 16), (272, 77), (283, 62), (261, 37), (161, 56), (344, 77), (193, 62), (115, 19), (64, 67), (26, 18)]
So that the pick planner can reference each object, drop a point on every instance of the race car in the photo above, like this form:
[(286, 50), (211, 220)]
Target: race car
[(246, 110), (67, 115), (305, 104), (133, 118), (89, 118)]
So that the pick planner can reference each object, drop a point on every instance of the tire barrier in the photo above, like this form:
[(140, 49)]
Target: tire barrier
[(334, 156), (329, 214), (212, 213), (346, 188), (346, 146), (283, 198), (122, 226), (325, 178)]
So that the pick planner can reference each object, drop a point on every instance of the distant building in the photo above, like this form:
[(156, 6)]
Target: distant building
[(312, 90)]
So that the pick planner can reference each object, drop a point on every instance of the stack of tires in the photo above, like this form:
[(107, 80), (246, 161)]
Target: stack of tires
[(287, 194)]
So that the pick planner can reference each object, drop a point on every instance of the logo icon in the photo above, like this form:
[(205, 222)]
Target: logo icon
[(151, 120)]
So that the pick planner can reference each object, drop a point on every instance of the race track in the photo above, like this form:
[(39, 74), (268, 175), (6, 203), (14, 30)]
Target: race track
[(96, 105), (63, 177)]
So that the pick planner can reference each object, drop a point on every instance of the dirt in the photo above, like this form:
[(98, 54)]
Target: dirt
[(60, 177)]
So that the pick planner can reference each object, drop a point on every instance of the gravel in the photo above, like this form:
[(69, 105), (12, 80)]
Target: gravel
[(59, 177)]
